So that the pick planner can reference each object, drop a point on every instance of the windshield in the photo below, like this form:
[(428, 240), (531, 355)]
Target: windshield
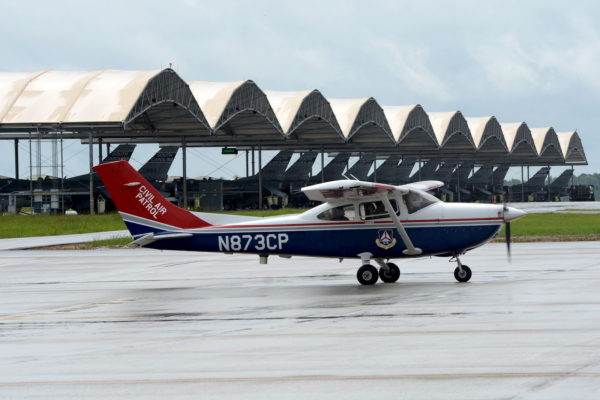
[(416, 201)]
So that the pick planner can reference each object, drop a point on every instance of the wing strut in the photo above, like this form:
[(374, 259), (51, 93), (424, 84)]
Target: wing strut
[(411, 250)]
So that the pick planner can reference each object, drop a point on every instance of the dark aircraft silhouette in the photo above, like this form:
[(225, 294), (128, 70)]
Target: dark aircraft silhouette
[(560, 186), (426, 172), (533, 187), (333, 170), (387, 171), (154, 170)]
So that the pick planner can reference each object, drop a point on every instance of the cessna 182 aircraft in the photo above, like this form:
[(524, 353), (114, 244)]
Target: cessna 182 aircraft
[(363, 220)]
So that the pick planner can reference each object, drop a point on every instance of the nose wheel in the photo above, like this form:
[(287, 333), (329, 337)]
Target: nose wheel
[(462, 273)]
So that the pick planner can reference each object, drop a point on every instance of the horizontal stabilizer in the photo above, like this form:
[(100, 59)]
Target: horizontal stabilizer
[(151, 238)]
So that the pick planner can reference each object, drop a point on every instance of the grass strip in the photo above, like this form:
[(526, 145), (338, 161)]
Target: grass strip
[(555, 224), (19, 226)]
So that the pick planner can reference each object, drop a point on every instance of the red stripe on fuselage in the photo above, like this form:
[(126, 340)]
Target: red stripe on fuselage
[(351, 223)]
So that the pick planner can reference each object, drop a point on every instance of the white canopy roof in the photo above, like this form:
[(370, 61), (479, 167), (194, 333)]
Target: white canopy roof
[(213, 97), (239, 112), (67, 97)]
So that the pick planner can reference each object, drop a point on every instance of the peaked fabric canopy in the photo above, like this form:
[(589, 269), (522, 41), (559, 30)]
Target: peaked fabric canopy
[(158, 106)]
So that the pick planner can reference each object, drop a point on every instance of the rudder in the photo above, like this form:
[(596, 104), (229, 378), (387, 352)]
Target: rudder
[(134, 195)]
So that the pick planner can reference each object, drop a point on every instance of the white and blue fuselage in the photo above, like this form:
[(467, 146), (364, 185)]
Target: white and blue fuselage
[(438, 228)]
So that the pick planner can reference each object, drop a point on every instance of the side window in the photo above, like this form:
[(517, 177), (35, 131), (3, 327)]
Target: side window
[(416, 201), (376, 209), (341, 213)]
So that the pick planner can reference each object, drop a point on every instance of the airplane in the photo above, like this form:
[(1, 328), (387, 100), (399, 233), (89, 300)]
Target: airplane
[(333, 170), (361, 168), (155, 170), (426, 172), (478, 183), (387, 171), (459, 178), (533, 187), (276, 179), (81, 183), (497, 180), (560, 186), (358, 220)]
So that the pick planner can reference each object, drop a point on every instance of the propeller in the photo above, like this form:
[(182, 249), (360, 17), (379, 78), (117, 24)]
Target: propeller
[(509, 214)]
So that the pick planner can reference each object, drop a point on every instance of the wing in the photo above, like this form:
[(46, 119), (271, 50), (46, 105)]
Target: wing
[(348, 190), (423, 185)]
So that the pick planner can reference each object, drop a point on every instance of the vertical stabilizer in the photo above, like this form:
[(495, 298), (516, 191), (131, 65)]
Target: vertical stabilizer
[(143, 204), (157, 168), (121, 152)]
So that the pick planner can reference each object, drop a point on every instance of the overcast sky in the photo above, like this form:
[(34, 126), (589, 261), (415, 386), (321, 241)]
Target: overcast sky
[(532, 61)]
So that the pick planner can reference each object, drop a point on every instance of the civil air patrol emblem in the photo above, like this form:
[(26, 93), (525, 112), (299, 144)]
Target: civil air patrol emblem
[(385, 239)]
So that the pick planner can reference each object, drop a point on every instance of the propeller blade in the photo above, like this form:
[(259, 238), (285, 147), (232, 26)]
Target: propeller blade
[(507, 232)]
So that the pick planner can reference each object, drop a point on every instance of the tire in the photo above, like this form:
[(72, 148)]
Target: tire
[(367, 275), (466, 275), (391, 275)]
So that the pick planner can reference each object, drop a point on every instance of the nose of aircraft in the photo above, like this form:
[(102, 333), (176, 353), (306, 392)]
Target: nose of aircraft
[(512, 214)]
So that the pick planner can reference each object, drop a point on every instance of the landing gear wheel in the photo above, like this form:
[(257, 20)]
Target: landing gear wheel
[(463, 276), (389, 274), (367, 275)]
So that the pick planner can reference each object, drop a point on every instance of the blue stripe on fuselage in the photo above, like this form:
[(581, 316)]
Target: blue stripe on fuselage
[(327, 243)]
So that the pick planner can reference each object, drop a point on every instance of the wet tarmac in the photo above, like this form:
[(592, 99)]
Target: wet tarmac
[(140, 323)]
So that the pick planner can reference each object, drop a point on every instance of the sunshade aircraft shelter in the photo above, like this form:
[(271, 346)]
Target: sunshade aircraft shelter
[(157, 106)]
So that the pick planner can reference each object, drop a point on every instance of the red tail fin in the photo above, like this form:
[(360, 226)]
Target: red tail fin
[(132, 194)]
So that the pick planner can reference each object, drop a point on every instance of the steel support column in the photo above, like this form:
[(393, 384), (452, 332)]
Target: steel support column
[(30, 176), (62, 174), (16, 158), (572, 175), (549, 198), (375, 169), (91, 148), (100, 151), (493, 190), (183, 153), (457, 180), (522, 188), (322, 164), (260, 191)]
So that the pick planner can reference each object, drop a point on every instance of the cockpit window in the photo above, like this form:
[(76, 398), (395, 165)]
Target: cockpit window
[(376, 209), (341, 213), (416, 201)]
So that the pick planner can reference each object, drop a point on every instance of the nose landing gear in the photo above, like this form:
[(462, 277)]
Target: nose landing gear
[(462, 273)]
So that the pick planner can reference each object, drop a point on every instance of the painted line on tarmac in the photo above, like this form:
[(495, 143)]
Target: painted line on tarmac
[(312, 378)]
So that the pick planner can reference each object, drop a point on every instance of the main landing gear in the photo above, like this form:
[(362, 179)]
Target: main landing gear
[(462, 273), (368, 274)]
